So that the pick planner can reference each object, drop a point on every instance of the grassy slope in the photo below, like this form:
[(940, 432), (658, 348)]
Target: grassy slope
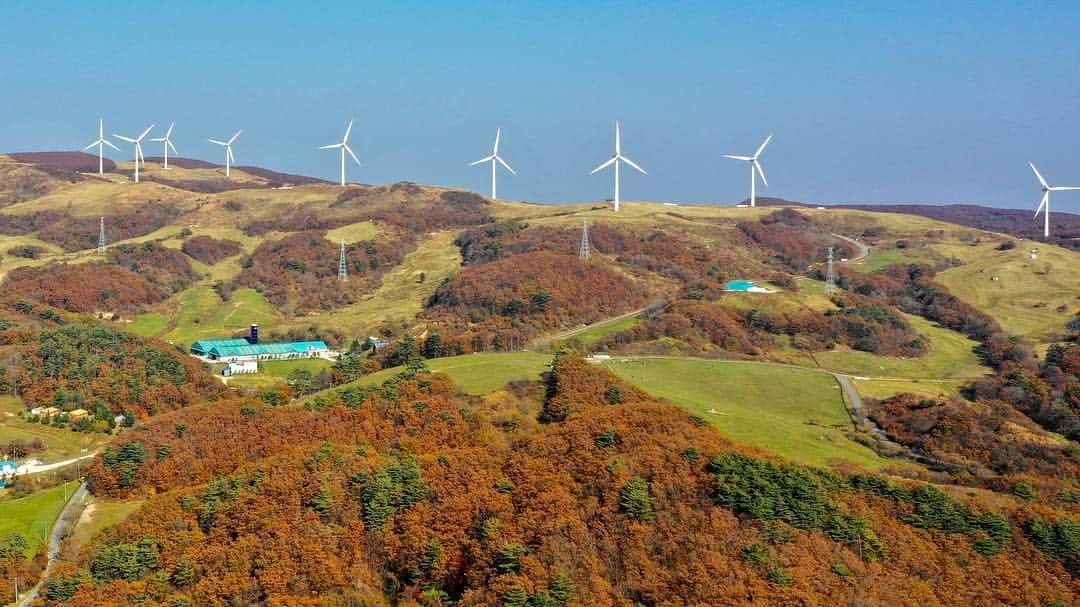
[(33, 516), (1025, 298), (797, 413), (274, 372), (100, 514), (479, 373)]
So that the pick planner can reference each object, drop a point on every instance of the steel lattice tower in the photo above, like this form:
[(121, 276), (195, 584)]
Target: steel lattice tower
[(342, 268), (584, 251), (830, 275), (101, 238)]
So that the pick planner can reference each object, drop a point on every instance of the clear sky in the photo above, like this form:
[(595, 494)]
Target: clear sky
[(870, 101)]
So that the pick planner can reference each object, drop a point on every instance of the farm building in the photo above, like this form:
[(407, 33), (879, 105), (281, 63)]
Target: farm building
[(250, 349), (282, 351)]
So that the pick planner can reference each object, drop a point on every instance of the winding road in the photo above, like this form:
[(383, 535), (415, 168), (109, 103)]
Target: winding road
[(64, 523), (864, 250)]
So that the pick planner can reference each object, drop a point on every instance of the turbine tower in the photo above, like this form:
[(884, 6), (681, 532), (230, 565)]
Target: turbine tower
[(342, 267), (755, 169), (830, 276), (101, 238), (1044, 206), (495, 160), (166, 142), (137, 141), (344, 146), (229, 158), (584, 251), (616, 159), (101, 143)]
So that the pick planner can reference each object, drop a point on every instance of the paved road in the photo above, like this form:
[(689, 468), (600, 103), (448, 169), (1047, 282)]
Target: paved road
[(864, 250), (64, 523), (38, 468)]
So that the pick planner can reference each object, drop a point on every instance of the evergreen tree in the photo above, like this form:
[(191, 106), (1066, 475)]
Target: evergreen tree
[(635, 499)]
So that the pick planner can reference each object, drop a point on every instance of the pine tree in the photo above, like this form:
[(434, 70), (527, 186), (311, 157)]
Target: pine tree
[(636, 500)]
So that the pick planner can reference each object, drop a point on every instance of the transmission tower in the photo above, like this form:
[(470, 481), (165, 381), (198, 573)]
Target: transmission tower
[(101, 238), (584, 251), (342, 268), (830, 276)]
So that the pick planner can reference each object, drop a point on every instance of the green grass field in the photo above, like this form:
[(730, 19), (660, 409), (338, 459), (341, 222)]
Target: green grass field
[(202, 315), (884, 388), (797, 413), (478, 373), (275, 372), (951, 356), (592, 335), (33, 516)]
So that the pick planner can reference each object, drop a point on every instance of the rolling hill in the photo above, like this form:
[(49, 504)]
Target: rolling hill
[(585, 418)]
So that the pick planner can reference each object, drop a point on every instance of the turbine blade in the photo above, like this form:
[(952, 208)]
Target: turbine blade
[(348, 130), (157, 139), (484, 159), (331, 146), (93, 144), (110, 144), (121, 137), (631, 163), (605, 165), (217, 142), (138, 149), (1045, 201), (232, 159), (763, 144), (172, 147), (147, 131), (733, 157), (168, 133), (349, 150), (761, 171), (618, 139), (498, 134), (1064, 187), (1038, 175), (503, 162), (235, 136)]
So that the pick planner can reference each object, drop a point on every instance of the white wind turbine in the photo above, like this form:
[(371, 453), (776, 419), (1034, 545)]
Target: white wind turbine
[(1044, 206), (166, 142), (101, 143), (344, 146), (495, 160), (138, 147), (616, 159), (229, 158), (755, 169)]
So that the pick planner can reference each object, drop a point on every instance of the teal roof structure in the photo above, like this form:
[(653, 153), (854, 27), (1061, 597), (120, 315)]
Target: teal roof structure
[(205, 345), (282, 349)]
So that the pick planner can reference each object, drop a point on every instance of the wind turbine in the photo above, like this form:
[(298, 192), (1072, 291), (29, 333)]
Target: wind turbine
[(101, 143), (344, 145), (138, 147), (755, 169), (229, 158), (495, 160), (616, 159), (1044, 206), (167, 143)]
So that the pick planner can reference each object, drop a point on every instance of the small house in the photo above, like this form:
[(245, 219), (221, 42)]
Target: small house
[(77, 414)]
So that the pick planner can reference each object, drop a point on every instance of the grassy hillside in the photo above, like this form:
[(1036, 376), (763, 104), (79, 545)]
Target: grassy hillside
[(33, 516), (797, 413)]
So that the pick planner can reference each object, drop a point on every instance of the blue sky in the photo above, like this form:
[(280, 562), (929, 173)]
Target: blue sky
[(870, 102)]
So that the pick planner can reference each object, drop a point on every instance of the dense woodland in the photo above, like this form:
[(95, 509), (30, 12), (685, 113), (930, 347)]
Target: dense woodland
[(582, 491), (130, 278), (501, 304), (209, 250), (298, 273)]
